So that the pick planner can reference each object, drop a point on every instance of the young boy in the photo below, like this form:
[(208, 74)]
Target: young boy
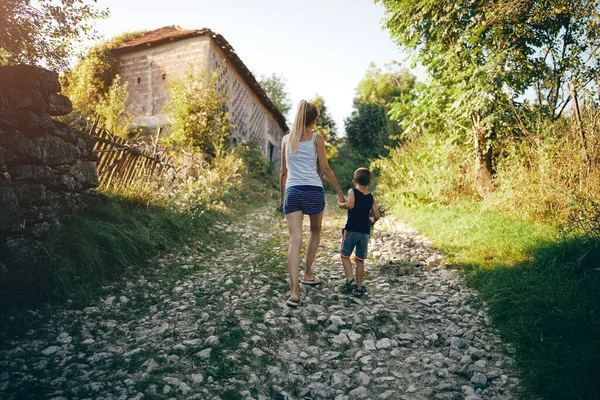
[(358, 226)]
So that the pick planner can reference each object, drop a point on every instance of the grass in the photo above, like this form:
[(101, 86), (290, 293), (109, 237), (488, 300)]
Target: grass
[(543, 291), (97, 245), (115, 237), (475, 237)]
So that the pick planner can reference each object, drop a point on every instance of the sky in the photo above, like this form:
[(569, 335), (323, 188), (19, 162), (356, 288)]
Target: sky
[(318, 46)]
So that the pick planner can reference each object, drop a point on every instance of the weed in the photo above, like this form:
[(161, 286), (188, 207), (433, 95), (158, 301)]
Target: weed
[(230, 394)]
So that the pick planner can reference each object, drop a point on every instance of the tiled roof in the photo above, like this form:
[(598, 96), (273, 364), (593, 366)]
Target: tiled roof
[(159, 36), (173, 33)]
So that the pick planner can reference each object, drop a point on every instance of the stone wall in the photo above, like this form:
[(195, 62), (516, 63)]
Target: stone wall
[(46, 167)]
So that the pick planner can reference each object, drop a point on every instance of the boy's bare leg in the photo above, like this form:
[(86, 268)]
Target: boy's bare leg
[(347, 268), (313, 243), (294, 223), (360, 270)]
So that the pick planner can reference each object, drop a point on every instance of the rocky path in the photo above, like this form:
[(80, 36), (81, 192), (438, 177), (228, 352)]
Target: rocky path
[(210, 323)]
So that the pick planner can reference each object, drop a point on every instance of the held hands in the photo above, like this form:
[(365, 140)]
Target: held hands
[(341, 200)]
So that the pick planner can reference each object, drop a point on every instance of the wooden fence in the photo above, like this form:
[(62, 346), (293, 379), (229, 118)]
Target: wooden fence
[(124, 163)]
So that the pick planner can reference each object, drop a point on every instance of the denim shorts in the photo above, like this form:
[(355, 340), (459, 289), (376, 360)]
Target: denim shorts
[(354, 240), (308, 199)]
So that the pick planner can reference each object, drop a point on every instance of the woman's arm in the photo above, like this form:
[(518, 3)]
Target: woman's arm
[(326, 169), (348, 205), (375, 210), (282, 173)]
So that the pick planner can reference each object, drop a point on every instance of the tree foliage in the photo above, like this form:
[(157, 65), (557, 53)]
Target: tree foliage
[(369, 129), (198, 112), (482, 56), (384, 86), (326, 127), (45, 32), (275, 87), (95, 89)]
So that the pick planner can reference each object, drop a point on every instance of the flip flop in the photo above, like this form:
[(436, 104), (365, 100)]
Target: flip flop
[(292, 303), (311, 282)]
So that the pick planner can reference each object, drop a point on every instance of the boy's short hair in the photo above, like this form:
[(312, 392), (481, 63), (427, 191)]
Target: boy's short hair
[(362, 176)]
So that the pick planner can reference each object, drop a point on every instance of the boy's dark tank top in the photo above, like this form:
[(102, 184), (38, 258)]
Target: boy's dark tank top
[(358, 217)]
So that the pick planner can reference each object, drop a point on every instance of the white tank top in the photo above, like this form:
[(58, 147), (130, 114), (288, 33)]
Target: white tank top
[(302, 165)]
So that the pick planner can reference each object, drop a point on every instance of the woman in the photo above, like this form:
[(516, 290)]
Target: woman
[(302, 192)]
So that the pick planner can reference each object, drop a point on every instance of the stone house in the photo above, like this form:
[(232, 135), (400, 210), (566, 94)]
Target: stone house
[(148, 62)]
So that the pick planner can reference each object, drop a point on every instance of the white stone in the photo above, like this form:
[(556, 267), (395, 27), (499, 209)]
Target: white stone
[(369, 344), (384, 343), (204, 354), (50, 350), (197, 378), (258, 352), (340, 339), (363, 379), (192, 342), (359, 393), (171, 380), (184, 388), (339, 380), (132, 352), (479, 380), (406, 336), (64, 338), (212, 340), (336, 320)]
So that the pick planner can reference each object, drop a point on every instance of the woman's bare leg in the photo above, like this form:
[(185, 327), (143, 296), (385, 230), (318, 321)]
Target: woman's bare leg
[(313, 243), (294, 223)]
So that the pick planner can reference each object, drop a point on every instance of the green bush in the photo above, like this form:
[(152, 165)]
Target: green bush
[(257, 165), (95, 89), (426, 169), (198, 112)]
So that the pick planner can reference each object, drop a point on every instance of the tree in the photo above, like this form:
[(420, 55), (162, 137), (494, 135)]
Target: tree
[(482, 56), (198, 111), (384, 86), (369, 129), (95, 89), (274, 86), (326, 127), (45, 32)]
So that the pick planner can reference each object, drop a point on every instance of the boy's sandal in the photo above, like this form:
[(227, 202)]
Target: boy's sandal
[(348, 286), (292, 303), (311, 282), (360, 291)]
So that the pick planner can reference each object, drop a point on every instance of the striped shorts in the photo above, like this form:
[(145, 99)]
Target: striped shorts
[(308, 199)]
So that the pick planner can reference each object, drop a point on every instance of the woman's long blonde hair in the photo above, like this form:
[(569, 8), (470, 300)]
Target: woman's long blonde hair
[(306, 115)]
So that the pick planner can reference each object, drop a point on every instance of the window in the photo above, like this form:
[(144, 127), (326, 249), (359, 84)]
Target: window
[(271, 151), (139, 80), (164, 77)]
